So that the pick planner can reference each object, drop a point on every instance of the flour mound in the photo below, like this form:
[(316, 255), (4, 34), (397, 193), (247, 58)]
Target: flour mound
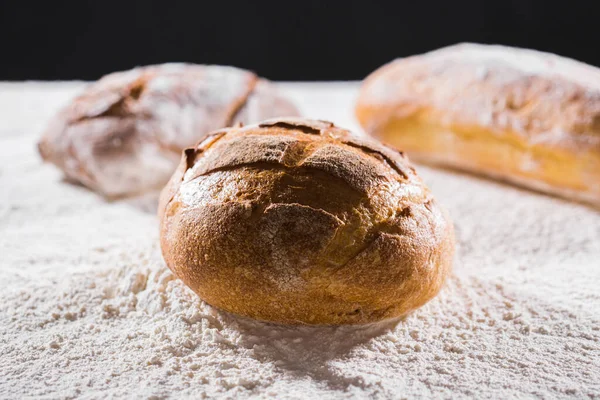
[(88, 309)]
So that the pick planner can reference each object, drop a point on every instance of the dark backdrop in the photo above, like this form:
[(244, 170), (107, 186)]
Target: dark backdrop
[(284, 40)]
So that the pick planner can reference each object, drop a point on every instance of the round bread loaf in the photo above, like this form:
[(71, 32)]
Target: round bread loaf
[(298, 221), (124, 134)]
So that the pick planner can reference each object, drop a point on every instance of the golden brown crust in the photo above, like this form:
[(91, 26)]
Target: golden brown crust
[(123, 135), (519, 115), (298, 221)]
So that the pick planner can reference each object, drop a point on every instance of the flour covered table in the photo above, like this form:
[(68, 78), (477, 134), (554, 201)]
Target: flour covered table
[(88, 309)]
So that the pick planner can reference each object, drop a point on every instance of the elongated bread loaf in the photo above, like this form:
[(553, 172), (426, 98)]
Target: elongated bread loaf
[(522, 116), (124, 134)]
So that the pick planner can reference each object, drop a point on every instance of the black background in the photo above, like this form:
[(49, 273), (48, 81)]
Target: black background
[(283, 40)]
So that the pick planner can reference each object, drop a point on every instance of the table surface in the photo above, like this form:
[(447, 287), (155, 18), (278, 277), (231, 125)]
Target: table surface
[(520, 317)]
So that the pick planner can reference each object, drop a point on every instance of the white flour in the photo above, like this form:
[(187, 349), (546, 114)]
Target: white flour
[(88, 309)]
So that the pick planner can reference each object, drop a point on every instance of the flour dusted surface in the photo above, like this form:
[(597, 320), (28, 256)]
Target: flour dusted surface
[(88, 309)]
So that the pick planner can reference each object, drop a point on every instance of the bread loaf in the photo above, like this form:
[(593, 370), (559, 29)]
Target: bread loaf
[(298, 221), (522, 116), (124, 134)]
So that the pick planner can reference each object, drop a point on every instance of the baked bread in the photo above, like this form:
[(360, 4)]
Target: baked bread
[(124, 134), (522, 116), (297, 221)]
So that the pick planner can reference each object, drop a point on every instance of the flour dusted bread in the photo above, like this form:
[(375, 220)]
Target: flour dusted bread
[(298, 221), (520, 115), (124, 134)]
